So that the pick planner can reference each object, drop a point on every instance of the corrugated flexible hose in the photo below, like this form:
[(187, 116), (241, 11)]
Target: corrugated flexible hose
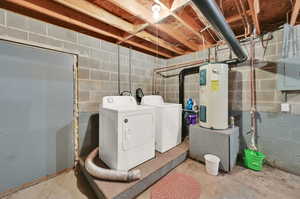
[(109, 174)]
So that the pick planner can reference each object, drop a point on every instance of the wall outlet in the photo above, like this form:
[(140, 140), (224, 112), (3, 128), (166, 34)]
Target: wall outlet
[(285, 107)]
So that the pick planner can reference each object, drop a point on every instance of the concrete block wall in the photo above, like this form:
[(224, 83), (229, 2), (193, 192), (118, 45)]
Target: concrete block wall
[(98, 77), (97, 64), (191, 82), (278, 133)]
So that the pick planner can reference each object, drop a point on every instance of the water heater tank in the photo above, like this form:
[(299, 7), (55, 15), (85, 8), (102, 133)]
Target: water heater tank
[(213, 96)]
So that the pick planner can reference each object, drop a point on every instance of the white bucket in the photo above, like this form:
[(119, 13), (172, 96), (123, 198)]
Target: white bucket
[(212, 164)]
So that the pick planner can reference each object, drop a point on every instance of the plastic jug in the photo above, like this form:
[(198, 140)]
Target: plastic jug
[(189, 104)]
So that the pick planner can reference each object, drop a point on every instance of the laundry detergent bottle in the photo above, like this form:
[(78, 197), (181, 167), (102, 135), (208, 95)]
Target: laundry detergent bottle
[(189, 104)]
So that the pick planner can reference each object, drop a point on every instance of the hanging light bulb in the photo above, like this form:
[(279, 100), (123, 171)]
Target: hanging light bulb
[(156, 11)]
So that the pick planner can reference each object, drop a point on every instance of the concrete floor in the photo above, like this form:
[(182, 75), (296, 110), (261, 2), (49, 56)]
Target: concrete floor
[(240, 184)]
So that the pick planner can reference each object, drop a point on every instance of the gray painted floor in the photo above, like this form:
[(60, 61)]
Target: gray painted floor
[(240, 184)]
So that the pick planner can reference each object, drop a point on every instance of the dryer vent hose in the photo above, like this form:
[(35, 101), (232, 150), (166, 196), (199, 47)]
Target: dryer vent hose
[(109, 174)]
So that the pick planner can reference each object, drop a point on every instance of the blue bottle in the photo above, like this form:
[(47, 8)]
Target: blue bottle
[(189, 104)]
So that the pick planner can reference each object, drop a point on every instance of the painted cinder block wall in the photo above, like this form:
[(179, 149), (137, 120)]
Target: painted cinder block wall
[(98, 77), (278, 133), (97, 64)]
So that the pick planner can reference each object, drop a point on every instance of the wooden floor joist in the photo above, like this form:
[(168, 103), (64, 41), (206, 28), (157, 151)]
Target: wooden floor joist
[(178, 4), (136, 9), (47, 7), (254, 8), (96, 12), (186, 22), (295, 12), (180, 28)]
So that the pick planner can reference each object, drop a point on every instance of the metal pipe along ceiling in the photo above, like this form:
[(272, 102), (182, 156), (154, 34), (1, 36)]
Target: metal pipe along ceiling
[(212, 13)]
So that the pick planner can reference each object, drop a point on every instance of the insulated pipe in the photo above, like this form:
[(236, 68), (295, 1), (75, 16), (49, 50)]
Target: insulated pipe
[(108, 174), (182, 74), (212, 13)]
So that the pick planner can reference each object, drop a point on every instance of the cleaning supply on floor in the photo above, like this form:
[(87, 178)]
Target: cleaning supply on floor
[(176, 186), (212, 164), (253, 159)]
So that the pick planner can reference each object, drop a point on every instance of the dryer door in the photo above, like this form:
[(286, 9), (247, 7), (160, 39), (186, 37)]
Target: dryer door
[(138, 129)]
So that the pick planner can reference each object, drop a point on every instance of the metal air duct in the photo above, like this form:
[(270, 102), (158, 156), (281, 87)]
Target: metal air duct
[(212, 13)]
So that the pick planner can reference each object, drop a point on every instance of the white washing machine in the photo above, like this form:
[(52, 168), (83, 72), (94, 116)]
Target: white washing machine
[(126, 132), (168, 122)]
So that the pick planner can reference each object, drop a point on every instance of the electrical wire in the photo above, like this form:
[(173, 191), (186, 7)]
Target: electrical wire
[(253, 96), (157, 42), (130, 70), (119, 79)]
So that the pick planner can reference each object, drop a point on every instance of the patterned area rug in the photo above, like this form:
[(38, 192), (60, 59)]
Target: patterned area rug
[(176, 186)]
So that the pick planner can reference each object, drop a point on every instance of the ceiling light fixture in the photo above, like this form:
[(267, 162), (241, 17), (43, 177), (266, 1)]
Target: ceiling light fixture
[(156, 11)]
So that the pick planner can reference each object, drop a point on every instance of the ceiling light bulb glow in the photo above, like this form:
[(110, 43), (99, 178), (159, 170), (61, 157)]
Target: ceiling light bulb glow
[(156, 11)]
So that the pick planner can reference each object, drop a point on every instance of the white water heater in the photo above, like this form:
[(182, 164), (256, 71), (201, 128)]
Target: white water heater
[(213, 96)]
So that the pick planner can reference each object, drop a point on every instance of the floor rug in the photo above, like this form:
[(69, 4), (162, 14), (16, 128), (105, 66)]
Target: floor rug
[(176, 186)]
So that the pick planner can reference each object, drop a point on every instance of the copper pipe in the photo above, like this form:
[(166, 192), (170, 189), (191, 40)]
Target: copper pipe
[(253, 95), (262, 40), (246, 18), (172, 67), (242, 12), (176, 66)]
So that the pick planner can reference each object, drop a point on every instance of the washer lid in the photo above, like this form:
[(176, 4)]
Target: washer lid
[(157, 100), (119, 102), (152, 100), (168, 105)]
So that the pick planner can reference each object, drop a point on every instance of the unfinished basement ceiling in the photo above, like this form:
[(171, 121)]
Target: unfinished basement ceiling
[(179, 30)]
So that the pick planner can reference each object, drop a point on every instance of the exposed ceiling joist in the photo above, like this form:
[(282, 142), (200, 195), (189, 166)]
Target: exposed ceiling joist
[(49, 9), (254, 8), (156, 40), (186, 16), (179, 36), (237, 17), (202, 18), (136, 44), (192, 29), (98, 13), (138, 28), (136, 9), (185, 22), (167, 3), (177, 4), (295, 12), (180, 29)]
